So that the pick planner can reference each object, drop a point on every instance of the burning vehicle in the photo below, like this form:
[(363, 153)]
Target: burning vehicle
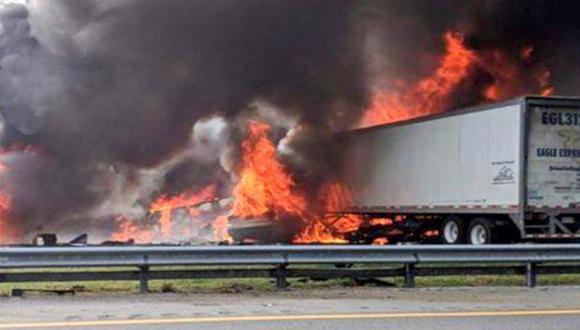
[(201, 122)]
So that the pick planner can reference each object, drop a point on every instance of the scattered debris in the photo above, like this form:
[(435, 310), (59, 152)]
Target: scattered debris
[(45, 239), (79, 288), (59, 292), (119, 243), (237, 288), (168, 288), (378, 282), (80, 240)]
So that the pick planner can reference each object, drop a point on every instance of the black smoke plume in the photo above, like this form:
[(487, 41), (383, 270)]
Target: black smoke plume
[(97, 86), (107, 92)]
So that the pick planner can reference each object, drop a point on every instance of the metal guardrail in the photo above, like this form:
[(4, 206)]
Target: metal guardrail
[(441, 259)]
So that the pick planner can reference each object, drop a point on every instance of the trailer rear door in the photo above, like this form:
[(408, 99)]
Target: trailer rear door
[(553, 156)]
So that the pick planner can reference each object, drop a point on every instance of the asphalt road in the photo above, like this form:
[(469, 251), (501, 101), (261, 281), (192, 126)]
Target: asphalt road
[(352, 308), (460, 320)]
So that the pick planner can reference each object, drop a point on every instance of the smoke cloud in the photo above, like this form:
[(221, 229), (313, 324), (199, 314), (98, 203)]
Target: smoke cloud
[(108, 93)]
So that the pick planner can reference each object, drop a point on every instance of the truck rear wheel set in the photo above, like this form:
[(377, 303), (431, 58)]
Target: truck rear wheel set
[(477, 231)]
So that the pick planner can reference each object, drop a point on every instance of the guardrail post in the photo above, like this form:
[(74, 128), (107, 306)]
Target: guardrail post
[(143, 279), (281, 272), (409, 275), (531, 274)]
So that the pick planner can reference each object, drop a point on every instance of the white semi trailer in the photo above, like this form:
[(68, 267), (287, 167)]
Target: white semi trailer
[(495, 173)]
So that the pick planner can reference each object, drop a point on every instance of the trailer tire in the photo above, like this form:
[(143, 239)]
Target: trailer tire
[(453, 230), (481, 231)]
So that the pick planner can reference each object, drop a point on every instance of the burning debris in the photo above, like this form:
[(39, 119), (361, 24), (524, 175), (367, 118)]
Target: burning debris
[(196, 121)]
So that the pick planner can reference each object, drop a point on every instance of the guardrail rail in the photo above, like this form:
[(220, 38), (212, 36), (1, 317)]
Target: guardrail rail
[(281, 262)]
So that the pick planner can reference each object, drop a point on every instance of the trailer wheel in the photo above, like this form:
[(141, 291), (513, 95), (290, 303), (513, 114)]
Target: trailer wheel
[(481, 231), (452, 231)]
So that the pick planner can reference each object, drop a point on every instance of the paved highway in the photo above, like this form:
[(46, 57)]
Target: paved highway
[(349, 308), (522, 319)]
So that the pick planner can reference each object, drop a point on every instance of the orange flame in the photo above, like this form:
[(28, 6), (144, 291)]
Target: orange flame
[(166, 204), (128, 229), (433, 93), (6, 232), (545, 81), (220, 229), (331, 228), (381, 241), (264, 186), (526, 52), (510, 78), (381, 222), (428, 95)]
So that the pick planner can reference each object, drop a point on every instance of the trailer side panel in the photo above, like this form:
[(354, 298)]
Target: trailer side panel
[(457, 162)]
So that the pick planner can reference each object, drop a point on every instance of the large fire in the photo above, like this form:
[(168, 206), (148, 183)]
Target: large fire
[(8, 231), (265, 188), (428, 95), (264, 185), (434, 93)]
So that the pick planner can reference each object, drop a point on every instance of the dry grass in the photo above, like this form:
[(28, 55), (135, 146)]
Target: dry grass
[(267, 285)]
